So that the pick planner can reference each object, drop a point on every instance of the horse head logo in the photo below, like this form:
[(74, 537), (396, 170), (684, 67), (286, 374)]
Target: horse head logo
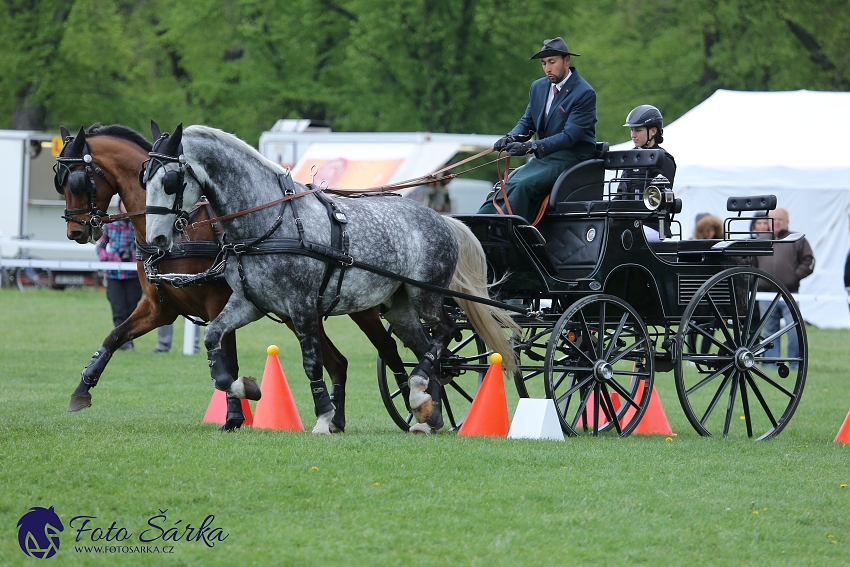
[(38, 532)]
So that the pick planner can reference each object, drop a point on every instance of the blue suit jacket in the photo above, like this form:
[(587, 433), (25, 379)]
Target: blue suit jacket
[(571, 119)]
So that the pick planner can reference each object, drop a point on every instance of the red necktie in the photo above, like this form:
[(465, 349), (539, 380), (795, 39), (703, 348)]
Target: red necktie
[(554, 96)]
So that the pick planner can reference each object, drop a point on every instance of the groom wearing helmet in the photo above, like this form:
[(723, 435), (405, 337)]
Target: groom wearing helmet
[(646, 126)]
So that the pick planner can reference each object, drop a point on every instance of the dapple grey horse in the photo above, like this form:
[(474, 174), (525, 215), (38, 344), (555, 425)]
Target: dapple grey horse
[(284, 260)]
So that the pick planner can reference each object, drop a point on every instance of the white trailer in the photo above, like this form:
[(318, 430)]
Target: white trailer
[(31, 208)]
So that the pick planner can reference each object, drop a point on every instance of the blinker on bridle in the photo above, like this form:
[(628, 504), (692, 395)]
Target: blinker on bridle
[(76, 153), (173, 180)]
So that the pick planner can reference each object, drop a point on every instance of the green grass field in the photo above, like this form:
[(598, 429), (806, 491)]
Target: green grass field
[(377, 496)]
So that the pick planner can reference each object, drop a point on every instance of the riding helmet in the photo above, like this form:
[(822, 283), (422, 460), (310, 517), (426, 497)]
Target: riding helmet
[(645, 116)]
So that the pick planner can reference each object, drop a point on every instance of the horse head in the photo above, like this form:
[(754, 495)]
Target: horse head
[(168, 187), (86, 200)]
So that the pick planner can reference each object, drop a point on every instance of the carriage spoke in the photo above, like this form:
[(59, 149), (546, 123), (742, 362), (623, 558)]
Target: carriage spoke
[(596, 404), (626, 396), (764, 317), (775, 336), (616, 335), (612, 413), (460, 390), (751, 308), (626, 351), (771, 381), (582, 410), (714, 400), (706, 334), (570, 391), (449, 412), (730, 403), (720, 318), (736, 329), (761, 400), (746, 404), (575, 348), (600, 331), (588, 335), (707, 379), (630, 373)]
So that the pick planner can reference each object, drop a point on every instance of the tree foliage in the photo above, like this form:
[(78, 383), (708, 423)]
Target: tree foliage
[(396, 65)]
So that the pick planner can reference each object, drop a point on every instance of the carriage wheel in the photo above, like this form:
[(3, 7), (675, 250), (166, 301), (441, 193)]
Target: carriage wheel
[(599, 367), (530, 349), (726, 356), (462, 373)]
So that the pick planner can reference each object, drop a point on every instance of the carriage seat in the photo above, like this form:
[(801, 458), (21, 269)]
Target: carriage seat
[(585, 181)]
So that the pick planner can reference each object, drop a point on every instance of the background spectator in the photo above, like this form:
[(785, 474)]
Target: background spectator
[(123, 290), (708, 227), (790, 263)]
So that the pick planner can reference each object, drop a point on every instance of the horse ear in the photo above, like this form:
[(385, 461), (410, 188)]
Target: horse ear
[(155, 132), (78, 144), (172, 145), (64, 133)]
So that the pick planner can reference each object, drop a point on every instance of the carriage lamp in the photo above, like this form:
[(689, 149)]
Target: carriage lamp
[(659, 195)]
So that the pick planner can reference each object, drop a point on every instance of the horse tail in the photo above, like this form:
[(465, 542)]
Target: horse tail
[(471, 277)]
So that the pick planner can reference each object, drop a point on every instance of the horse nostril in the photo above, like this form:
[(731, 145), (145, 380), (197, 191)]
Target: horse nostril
[(75, 235), (159, 241)]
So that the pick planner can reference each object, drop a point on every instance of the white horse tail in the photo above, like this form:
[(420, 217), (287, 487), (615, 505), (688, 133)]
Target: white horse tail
[(471, 277)]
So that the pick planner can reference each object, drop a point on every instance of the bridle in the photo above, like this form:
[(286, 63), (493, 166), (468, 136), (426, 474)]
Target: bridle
[(80, 182), (173, 182)]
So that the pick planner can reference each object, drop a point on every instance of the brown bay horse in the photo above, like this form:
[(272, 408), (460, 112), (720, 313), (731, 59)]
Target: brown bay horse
[(104, 161)]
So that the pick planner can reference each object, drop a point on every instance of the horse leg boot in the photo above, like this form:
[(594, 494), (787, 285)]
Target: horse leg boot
[(234, 417), (80, 398), (422, 404), (337, 424), (243, 387)]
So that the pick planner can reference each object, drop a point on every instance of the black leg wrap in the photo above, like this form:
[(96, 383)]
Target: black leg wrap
[(338, 399), (401, 381), (235, 417), (429, 363), (321, 400), (220, 377), (93, 370), (436, 419)]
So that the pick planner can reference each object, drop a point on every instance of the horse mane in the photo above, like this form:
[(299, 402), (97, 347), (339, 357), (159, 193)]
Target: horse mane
[(233, 141), (119, 131)]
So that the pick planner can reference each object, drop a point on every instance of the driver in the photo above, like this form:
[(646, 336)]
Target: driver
[(562, 112)]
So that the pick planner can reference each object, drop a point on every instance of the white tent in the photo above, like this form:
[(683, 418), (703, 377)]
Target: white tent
[(789, 144)]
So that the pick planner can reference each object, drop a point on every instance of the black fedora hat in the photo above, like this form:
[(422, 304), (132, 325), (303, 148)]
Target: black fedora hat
[(554, 47)]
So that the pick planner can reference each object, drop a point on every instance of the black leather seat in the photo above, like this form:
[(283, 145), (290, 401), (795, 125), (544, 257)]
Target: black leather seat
[(585, 181)]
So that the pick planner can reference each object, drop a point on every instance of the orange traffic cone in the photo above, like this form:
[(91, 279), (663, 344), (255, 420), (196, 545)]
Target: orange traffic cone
[(654, 420), (276, 409), (217, 409), (488, 414), (844, 433), (590, 409)]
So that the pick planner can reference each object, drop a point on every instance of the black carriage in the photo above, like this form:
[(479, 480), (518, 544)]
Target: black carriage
[(603, 309)]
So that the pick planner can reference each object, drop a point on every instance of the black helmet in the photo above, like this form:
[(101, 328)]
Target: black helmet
[(645, 116)]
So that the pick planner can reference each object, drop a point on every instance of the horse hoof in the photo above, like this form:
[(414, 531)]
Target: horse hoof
[(424, 411), (336, 427), (245, 387), (231, 425), (323, 424), (80, 402), (420, 428)]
